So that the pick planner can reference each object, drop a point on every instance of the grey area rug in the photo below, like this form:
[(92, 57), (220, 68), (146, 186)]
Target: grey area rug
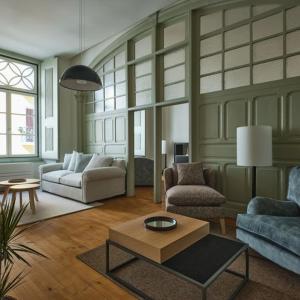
[(267, 280), (51, 206)]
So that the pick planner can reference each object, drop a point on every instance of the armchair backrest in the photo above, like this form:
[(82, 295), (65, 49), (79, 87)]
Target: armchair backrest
[(294, 185), (171, 177)]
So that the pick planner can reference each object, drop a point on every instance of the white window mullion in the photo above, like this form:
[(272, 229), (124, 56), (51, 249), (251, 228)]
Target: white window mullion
[(8, 123)]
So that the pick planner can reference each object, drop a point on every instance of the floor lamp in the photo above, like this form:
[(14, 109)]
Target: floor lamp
[(254, 149)]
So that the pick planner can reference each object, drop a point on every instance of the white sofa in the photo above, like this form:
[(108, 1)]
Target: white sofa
[(88, 186)]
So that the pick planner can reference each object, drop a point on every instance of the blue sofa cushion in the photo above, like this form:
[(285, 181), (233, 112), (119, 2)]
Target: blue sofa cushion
[(294, 185), (283, 231)]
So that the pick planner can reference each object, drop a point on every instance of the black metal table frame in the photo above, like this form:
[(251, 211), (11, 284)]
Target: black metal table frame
[(203, 287)]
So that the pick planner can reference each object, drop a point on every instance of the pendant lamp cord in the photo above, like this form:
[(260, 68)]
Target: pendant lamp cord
[(81, 27)]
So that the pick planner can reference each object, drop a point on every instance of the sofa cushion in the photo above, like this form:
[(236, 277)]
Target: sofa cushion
[(73, 179), (99, 161), (55, 176), (294, 183), (190, 174), (283, 231), (82, 161), (72, 163), (67, 159), (194, 195)]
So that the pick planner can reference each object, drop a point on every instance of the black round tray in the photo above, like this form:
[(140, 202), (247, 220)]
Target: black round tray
[(160, 223)]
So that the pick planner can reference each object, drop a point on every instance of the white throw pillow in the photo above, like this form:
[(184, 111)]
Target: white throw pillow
[(72, 163), (99, 161)]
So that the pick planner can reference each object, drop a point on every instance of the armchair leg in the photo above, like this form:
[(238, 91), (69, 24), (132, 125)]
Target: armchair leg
[(223, 226)]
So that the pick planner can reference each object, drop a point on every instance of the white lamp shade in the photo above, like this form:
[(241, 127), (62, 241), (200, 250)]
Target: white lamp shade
[(163, 147), (254, 146)]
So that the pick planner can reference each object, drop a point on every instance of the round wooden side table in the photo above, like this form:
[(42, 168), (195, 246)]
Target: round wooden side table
[(30, 188), (8, 184)]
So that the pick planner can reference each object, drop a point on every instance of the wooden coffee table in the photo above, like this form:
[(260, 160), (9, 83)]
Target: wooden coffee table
[(188, 251)]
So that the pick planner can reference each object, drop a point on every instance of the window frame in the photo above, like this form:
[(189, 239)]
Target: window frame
[(8, 90)]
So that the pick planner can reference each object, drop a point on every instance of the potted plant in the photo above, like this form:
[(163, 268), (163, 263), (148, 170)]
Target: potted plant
[(10, 248)]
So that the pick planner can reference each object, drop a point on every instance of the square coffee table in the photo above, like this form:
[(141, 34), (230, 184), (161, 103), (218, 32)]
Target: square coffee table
[(186, 251)]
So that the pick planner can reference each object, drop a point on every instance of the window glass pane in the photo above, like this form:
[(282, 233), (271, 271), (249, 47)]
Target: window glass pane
[(22, 124), (236, 78), (143, 68), (293, 18), (235, 15), (268, 71), (109, 105), (3, 144), (211, 45), (292, 66), (22, 104), (120, 75), (143, 83), (211, 83), (237, 36), (293, 42), (99, 106), (2, 102), (109, 65), (22, 144), (99, 95), (211, 64), (143, 47), (109, 79), (175, 74), (237, 57), (174, 91), (210, 22), (120, 89), (267, 26), (174, 33), (2, 123), (259, 9), (174, 58), (121, 102), (17, 75), (268, 49), (143, 98), (120, 59), (109, 92)]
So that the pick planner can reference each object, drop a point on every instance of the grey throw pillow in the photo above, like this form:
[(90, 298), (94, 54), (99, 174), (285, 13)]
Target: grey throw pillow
[(190, 174), (72, 163), (99, 161), (82, 161), (67, 160)]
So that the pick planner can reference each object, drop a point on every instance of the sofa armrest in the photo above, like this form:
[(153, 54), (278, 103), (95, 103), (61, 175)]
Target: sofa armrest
[(168, 178), (50, 167), (102, 173), (210, 176), (272, 207)]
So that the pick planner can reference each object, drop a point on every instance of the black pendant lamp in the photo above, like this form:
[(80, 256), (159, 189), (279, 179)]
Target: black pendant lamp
[(80, 77)]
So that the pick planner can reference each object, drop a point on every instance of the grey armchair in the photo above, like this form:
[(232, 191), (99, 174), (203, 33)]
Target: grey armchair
[(272, 227), (196, 201)]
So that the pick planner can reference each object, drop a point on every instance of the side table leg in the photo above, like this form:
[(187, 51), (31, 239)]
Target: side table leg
[(107, 257), (21, 201), (35, 196), (14, 196), (31, 201), (5, 194)]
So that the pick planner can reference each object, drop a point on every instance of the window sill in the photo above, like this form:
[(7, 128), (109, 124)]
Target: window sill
[(20, 159)]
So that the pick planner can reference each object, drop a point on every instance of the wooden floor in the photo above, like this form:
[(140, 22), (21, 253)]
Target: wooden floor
[(62, 275)]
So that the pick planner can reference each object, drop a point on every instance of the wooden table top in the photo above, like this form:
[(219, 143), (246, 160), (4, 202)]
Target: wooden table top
[(159, 246), (28, 181), (24, 187)]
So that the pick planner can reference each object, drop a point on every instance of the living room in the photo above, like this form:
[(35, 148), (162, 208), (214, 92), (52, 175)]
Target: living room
[(150, 149)]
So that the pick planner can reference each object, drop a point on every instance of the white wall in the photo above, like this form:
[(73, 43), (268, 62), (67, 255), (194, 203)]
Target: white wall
[(175, 127)]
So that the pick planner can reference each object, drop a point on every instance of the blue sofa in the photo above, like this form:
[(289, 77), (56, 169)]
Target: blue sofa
[(272, 227)]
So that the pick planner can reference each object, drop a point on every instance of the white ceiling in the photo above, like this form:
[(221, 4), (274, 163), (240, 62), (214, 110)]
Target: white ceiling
[(44, 28)]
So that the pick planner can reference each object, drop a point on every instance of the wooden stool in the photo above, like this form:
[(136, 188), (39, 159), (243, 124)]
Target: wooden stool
[(30, 188)]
